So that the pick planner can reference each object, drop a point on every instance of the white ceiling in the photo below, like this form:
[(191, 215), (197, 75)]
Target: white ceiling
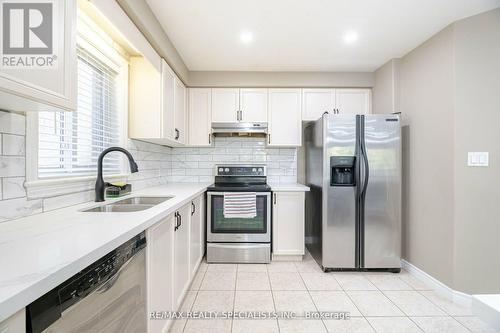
[(304, 35)]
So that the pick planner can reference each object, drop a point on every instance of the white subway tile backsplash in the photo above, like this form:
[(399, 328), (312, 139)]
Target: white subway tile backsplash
[(12, 123), (13, 145), (67, 200), (229, 150), (15, 208), (12, 166), (13, 188)]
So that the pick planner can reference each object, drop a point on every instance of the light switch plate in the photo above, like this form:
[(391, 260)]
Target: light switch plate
[(478, 159)]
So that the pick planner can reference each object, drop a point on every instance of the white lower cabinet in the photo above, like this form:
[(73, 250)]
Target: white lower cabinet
[(197, 234), (15, 323), (175, 247), (181, 254), (288, 223), (160, 252)]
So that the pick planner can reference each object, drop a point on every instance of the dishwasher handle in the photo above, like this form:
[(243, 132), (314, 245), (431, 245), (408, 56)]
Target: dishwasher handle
[(110, 281)]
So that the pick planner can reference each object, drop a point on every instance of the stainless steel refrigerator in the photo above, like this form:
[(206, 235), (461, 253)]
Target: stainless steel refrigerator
[(353, 211)]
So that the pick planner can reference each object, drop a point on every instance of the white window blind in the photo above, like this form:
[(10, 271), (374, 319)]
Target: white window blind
[(70, 142)]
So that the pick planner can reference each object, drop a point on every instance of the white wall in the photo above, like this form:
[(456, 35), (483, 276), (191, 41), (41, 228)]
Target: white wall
[(385, 92), (477, 128), (449, 97), (426, 76), (280, 79)]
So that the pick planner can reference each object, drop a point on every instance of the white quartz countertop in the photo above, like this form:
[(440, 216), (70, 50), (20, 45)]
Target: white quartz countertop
[(289, 187), (39, 252)]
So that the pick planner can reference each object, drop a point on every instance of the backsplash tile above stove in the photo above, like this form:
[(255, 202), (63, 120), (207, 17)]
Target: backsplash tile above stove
[(198, 164)]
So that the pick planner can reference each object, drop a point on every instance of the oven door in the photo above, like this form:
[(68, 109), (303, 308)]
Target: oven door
[(248, 230)]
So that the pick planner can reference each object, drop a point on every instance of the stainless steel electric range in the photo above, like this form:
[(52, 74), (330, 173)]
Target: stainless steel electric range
[(236, 239)]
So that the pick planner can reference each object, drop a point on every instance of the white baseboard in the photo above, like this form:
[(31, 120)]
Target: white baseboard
[(453, 295), (487, 308), (287, 257)]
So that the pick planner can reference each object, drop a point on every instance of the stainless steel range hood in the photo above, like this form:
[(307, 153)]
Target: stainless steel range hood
[(239, 128)]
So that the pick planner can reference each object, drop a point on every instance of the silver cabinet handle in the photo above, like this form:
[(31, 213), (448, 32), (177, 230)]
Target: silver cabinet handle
[(193, 208), (269, 135), (177, 134), (274, 196)]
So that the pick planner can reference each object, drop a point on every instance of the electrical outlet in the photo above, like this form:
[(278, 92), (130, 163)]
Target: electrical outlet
[(478, 159)]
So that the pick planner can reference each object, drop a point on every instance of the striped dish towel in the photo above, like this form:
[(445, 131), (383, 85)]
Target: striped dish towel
[(240, 205)]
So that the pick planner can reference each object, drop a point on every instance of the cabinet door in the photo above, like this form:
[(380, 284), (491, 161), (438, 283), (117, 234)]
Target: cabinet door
[(181, 255), (200, 116), (145, 100), (47, 88), (315, 102), (167, 101), (353, 101), (288, 223), (180, 112), (160, 252), (285, 119), (253, 105), (225, 105), (196, 233)]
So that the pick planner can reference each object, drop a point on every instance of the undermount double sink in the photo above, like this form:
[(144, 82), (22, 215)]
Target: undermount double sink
[(133, 204)]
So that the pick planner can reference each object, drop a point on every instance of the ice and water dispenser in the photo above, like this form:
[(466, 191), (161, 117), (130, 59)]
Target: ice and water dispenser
[(342, 171)]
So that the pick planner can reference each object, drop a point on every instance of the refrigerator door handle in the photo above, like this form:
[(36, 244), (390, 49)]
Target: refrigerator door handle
[(366, 169)]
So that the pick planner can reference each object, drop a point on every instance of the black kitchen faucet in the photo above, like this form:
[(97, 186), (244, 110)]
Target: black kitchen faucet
[(100, 185)]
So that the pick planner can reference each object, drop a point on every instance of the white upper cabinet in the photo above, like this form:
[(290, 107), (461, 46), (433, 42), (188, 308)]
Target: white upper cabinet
[(51, 86), (232, 105), (315, 102), (158, 104), (200, 116), (145, 100), (353, 101), (253, 105), (225, 105), (180, 112), (167, 101), (285, 119)]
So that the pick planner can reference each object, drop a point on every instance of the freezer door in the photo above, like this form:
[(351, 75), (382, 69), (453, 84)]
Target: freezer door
[(382, 206), (339, 203)]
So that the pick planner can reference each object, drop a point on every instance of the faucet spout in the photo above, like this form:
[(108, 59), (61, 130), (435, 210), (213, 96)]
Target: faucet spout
[(100, 185)]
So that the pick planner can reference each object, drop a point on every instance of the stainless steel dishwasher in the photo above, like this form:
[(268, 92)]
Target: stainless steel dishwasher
[(107, 296)]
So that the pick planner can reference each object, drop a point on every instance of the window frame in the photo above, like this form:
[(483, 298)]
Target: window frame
[(97, 43)]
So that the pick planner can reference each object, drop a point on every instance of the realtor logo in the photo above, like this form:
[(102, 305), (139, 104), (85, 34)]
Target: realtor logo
[(27, 34)]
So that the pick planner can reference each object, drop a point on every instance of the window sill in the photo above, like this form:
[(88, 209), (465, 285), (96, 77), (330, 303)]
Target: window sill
[(47, 188)]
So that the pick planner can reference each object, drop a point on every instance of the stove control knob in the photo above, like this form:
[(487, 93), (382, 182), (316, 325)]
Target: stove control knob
[(260, 169), (254, 170), (226, 169), (221, 169)]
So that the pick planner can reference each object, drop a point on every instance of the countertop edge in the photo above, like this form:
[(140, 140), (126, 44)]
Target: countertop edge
[(16, 302), (289, 187)]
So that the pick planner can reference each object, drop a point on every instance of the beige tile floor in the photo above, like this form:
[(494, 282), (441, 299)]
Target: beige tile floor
[(377, 302)]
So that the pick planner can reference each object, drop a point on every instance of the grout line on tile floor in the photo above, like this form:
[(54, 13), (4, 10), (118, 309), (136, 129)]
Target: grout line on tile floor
[(272, 296)]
